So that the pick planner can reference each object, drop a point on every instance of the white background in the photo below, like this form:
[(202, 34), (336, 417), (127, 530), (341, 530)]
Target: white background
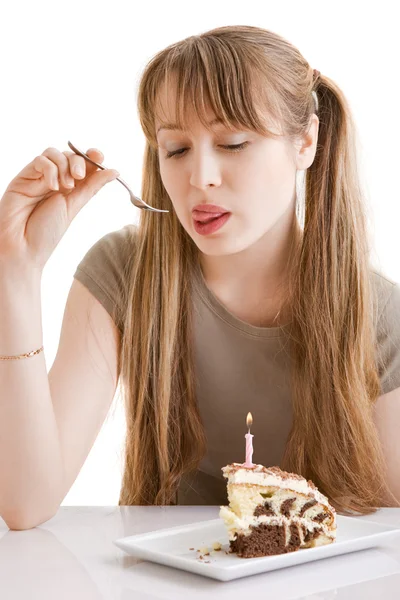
[(70, 71)]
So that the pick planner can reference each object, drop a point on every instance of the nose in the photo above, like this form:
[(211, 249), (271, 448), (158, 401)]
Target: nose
[(205, 170)]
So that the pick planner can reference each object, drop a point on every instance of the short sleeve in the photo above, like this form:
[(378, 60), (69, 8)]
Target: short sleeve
[(388, 341), (104, 271)]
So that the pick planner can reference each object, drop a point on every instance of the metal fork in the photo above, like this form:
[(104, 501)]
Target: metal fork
[(134, 199)]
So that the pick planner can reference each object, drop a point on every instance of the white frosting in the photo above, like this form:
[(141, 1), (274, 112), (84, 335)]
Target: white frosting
[(258, 476), (236, 524)]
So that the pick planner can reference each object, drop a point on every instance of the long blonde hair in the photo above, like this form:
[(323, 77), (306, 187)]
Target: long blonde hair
[(245, 73)]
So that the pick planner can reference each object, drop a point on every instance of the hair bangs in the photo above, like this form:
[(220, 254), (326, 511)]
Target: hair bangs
[(198, 80)]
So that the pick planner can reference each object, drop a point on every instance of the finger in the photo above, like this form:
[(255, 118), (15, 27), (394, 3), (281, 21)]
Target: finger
[(61, 161), (78, 197), (35, 169), (45, 169), (36, 178), (48, 169), (77, 162), (29, 171)]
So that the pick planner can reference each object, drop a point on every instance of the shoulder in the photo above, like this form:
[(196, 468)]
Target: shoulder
[(116, 242), (387, 292), (111, 251), (387, 298), (104, 269)]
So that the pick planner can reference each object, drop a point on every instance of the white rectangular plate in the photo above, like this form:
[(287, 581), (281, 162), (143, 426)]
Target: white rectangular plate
[(171, 547)]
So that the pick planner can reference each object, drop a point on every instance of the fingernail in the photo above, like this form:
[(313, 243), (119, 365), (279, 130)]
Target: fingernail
[(78, 170)]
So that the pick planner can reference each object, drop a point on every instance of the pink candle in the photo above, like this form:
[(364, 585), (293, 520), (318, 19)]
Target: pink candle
[(249, 443), (249, 449)]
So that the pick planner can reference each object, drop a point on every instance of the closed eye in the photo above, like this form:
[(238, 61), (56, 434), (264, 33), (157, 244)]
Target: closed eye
[(231, 148)]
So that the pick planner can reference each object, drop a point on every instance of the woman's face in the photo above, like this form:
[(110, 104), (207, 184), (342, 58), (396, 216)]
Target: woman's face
[(256, 184)]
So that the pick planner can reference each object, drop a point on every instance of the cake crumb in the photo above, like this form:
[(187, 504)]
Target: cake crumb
[(217, 546), (191, 548), (203, 550)]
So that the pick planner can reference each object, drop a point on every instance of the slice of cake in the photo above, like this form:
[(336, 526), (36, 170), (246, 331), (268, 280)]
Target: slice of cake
[(273, 512)]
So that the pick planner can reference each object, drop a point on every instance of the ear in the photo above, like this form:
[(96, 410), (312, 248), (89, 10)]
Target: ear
[(306, 149)]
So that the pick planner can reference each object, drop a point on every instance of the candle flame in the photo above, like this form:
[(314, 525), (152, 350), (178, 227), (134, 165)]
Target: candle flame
[(249, 420)]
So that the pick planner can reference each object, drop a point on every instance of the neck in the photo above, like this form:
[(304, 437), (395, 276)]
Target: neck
[(253, 283)]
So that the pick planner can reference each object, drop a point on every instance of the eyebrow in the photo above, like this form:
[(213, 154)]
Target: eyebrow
[(174, 126)]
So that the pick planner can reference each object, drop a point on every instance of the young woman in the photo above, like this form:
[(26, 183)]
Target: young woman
[(241, 298)]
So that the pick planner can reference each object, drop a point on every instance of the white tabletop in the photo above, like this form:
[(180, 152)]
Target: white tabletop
[(72, 556)]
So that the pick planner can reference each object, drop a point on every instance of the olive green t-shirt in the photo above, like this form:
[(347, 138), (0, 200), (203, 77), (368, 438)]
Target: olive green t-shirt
[(239, 367)]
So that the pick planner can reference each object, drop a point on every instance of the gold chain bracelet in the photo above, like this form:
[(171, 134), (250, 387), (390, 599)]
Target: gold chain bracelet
[(27, 355)]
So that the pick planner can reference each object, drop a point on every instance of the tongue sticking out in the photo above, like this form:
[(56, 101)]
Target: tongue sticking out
[(205, 217)]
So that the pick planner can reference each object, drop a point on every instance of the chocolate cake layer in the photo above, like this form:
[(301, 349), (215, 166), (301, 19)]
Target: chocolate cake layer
[(267, 540)]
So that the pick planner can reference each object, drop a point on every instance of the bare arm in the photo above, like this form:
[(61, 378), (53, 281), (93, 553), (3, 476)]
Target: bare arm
[(30, 460), (49, 422), (83, 378)]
